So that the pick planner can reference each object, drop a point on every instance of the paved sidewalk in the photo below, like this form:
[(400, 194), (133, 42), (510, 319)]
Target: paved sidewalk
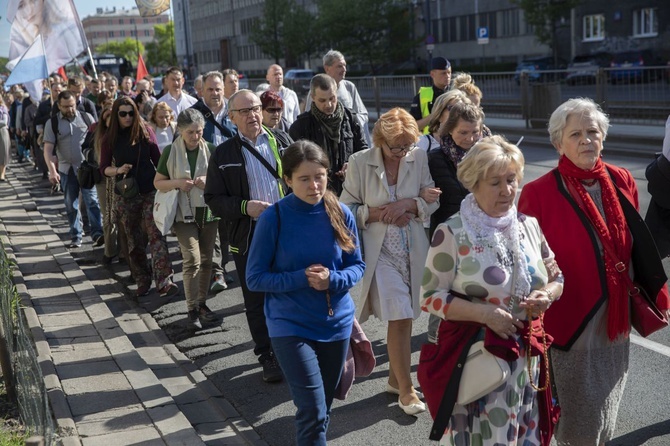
[(112, 376)]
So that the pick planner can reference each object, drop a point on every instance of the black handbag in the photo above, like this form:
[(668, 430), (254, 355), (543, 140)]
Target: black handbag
[(127, 186), (88, 174)]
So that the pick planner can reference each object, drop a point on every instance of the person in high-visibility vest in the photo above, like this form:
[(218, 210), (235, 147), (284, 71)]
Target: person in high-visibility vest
[(422, 104)]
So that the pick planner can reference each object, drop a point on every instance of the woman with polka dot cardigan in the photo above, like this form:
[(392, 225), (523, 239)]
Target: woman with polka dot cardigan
[(476, 254)]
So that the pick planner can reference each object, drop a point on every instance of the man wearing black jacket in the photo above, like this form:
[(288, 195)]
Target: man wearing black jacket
[(243, 181)]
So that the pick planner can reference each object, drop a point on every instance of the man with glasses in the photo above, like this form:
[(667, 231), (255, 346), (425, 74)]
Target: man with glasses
[(243, 179), (332, 126), (71, 128), (218, 128)]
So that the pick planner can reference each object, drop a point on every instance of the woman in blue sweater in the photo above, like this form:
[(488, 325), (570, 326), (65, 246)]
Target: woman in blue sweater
[(305, 257)]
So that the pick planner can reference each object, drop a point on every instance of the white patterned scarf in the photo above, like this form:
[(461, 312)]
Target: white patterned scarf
[(497, 240)]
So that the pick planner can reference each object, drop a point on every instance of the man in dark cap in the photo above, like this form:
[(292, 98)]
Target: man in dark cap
[(422, 104)]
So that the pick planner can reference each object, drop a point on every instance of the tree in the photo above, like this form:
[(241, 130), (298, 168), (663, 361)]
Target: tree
[(302, 36), (161, 52), (127, 48), (544, 16), (374, 31), (268, 31)]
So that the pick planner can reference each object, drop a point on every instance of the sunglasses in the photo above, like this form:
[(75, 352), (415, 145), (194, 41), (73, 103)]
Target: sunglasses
[(273, 109), (123, 114)]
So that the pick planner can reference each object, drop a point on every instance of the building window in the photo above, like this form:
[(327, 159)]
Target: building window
[(122, 33), (132, 21), (594, 27), (509, 23), (645, 22), (110, 34), (145, 21), (147, 33), (120, 21)]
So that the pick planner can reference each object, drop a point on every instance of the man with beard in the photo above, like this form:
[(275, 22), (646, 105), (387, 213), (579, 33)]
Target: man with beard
[(242, 181), (71, 130), (330, 125), (335, 66)]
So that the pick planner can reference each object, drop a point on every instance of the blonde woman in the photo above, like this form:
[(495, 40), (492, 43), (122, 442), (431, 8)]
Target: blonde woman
[(465, 83), (161, 121), (384, 187)]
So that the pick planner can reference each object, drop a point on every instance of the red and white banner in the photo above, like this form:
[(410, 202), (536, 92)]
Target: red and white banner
[(58, 23)]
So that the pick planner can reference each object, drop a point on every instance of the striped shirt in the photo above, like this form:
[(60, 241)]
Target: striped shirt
[(263, 185)]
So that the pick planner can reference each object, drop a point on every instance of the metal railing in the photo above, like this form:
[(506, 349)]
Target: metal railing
[(639, 95), (26, 376)]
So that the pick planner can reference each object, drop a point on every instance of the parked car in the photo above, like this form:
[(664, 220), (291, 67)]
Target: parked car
[(242, 81), (298, 80), (535, 67), (629, 66), (583, 68)]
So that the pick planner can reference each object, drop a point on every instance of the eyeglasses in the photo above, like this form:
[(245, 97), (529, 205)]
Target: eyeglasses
[(401, 149), (247, 111), (273, 109), (123, 114)]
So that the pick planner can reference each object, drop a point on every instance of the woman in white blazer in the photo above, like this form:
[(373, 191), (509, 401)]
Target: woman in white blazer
[(391, 192)]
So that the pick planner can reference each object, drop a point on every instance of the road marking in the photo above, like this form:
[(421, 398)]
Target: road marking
[(651, 345)]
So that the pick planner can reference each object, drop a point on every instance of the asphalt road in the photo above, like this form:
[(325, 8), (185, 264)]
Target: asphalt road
[(369, 416)]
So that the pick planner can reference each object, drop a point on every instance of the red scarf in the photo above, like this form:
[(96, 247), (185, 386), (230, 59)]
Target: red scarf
[(614, 230)]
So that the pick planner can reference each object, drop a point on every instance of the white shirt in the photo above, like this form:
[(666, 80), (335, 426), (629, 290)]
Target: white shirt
[(178, 104), (291, 104)]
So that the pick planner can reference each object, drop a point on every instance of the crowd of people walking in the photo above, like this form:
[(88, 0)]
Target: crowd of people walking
[(422, 211)]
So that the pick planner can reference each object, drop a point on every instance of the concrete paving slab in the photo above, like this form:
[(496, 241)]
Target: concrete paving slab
[(174, 426), (70, 332), (219, 434), (78, 353), (88, 403), (78, 318), (146, 437), (114, 420)]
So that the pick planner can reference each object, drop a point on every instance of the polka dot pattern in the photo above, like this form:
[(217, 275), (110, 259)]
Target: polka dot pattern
[(509, 413)]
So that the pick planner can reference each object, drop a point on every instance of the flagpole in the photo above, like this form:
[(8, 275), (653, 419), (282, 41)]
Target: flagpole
[(90, 56)]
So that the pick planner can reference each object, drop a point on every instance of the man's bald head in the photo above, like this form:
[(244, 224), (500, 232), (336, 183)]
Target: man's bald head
[(275, 77)]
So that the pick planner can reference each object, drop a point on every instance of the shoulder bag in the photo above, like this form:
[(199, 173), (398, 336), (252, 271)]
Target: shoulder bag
[(165, 209), (646, 317), (127, 187)]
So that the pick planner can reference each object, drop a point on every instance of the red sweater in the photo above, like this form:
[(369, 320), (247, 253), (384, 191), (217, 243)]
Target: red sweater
[(576, 250)]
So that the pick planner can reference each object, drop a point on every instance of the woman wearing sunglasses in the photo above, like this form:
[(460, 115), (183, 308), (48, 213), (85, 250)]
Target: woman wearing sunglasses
[(129, 149), (273, 106), (390, 191)]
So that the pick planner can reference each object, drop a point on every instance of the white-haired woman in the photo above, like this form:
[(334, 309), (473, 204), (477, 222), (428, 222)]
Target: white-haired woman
[(591, 324), (183, 165)]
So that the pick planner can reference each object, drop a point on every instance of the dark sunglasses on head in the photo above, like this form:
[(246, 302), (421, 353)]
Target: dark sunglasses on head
[(123, 114), (273, 109)]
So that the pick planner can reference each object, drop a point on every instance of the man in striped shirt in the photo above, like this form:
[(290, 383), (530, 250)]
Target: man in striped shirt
[(244, 179)]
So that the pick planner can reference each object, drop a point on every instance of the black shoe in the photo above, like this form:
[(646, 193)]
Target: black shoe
[(107, 260), (193, 322), (206, 315), (98, 240), (271, 371), (228, 277)]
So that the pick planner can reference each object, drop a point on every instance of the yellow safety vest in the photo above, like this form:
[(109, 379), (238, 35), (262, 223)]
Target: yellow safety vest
[(425, 98), (275, 152)]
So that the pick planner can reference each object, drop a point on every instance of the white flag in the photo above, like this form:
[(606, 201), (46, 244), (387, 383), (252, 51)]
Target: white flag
[(31, 69), (58, 23)]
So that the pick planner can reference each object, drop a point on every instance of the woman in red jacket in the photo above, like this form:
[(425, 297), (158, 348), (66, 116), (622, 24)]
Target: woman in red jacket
[(579, 212)]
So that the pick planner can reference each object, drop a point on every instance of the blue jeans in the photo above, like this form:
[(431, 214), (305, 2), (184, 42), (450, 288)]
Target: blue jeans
[(21, 150), (312, 370), (70, 186)]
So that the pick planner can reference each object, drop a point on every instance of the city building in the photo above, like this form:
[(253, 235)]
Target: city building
[(118, 24)]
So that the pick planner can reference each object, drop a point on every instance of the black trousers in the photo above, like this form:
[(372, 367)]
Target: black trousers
[(254, 303)]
